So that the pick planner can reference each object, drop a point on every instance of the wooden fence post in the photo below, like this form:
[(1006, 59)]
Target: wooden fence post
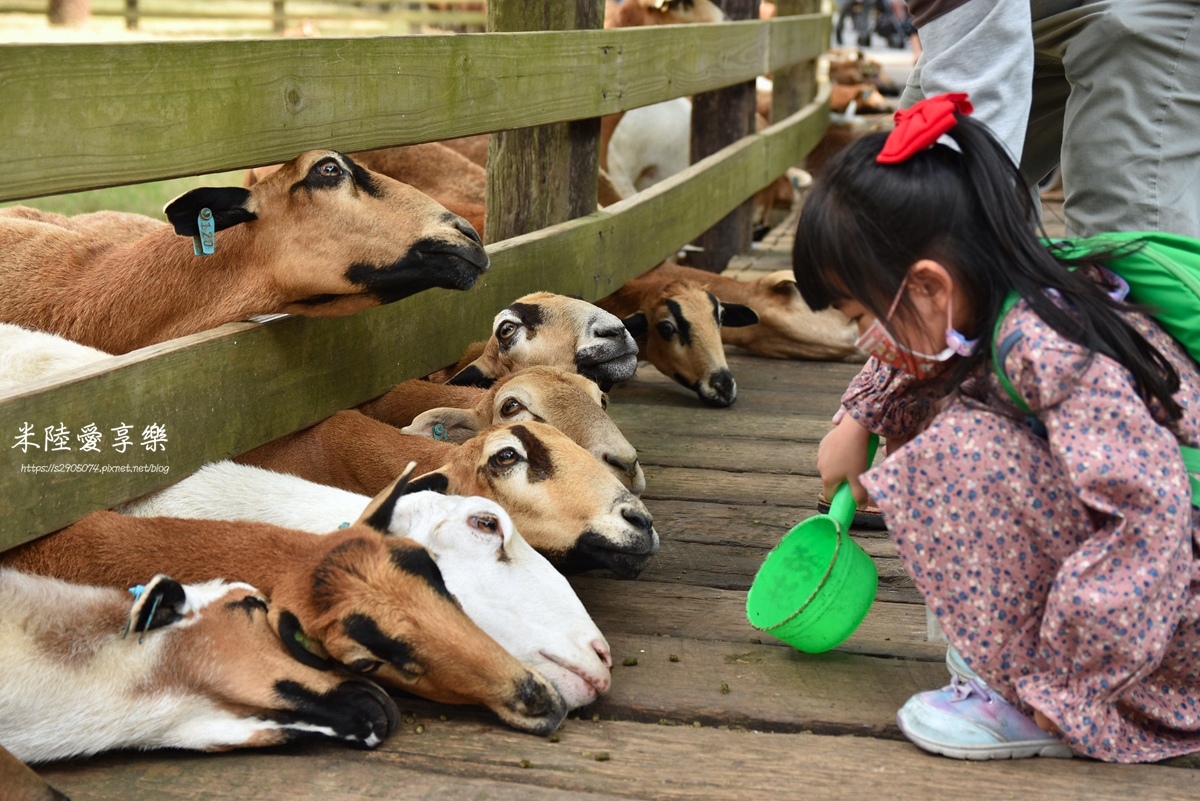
[(720, 118), (131, 15), (796, 85), (543, 175), (278, 18)]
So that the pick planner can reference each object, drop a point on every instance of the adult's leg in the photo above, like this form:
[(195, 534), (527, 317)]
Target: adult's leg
[(1132, 117)]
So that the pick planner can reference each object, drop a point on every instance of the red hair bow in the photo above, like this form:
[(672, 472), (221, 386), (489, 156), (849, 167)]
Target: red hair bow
[(920, 125)]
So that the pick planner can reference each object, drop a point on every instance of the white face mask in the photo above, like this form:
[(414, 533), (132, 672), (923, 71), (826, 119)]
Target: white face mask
[(877, 341)]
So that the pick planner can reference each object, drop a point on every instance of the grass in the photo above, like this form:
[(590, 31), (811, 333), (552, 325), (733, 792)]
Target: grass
[(148, 198)]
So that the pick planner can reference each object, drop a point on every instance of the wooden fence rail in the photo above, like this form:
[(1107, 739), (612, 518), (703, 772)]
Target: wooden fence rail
[(467, 14), (222, 392)]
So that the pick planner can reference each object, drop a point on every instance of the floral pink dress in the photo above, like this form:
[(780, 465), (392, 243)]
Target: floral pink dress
[(1060, 554)]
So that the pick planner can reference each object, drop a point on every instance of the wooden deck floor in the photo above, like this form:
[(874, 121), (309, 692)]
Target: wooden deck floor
[(712, 709)]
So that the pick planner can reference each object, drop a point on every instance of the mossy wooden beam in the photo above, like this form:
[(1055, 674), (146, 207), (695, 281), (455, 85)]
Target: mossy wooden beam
[(82, 116), (546, 174), (796, 84), (222, 392)]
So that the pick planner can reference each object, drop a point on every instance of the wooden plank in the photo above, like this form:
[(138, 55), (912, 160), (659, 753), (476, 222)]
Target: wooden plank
[(793, 86), (733, 568), (722, 486), (633, 418), (760, 686), (546, 174), (270, 379), (755, 374), (736, 454), (707, 613), (812, 401), (467, 757), (312, 773), (745, 525), (91, 115), (719, 118)]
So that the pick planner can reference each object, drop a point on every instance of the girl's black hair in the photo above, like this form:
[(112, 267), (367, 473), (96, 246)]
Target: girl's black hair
[(864, 224)]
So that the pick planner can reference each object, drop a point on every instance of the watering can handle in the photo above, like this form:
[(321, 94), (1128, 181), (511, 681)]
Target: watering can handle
[(842, 505)]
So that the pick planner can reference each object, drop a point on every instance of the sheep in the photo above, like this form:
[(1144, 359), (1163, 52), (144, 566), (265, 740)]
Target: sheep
[(568, 401), (447, 176), (555, 330), (565, 503), (636, 13), (320, 237), (678, 325), (27, 355), (196, 666), (378, 605), (786, 328), (504, 585)]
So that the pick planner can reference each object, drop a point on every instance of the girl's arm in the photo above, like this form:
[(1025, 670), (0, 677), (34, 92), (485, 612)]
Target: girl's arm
[(881, 399), (1112, 608)]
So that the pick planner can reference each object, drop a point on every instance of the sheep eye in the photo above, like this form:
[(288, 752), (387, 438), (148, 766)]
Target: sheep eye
[(329, 169), (510, 407), (505, 457), (365, 667), (666, 329), (506, 329), (487, 523)]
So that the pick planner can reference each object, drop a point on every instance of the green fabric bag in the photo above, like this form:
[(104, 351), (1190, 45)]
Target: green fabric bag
[(1164, 276)]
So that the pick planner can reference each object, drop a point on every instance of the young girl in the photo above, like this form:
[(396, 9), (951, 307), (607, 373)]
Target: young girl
[(1058, 549)]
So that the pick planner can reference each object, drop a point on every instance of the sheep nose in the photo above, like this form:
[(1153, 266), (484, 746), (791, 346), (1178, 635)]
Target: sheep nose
[(609, 331), (724, 389), (636, 518), (601, 649), (466, 229), (626, 467)]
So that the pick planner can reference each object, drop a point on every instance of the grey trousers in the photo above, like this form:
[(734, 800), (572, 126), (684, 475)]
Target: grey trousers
[(1116, 102)]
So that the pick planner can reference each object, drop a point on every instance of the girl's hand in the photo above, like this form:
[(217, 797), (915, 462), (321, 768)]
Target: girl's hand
[(842, 456)]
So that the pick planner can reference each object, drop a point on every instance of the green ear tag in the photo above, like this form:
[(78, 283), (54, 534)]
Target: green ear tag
[(440, 433)]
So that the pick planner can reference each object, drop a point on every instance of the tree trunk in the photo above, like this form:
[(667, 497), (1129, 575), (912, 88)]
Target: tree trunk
[(69, 13)]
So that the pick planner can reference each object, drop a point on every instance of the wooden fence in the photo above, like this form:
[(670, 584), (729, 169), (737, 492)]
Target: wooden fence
[(86, 116), (278, 14)]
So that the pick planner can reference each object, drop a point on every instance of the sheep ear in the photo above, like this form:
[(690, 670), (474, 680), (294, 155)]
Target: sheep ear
[(458, 425), (379, 512), (227, 204), (156, 604), (303, 649), (736, 315), (436, 481), (471, 376), (784, 286), (637, 325)]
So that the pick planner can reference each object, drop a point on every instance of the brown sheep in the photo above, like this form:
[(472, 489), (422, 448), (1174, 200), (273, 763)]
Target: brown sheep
[(568, 401), (320, 237), (567, 505)]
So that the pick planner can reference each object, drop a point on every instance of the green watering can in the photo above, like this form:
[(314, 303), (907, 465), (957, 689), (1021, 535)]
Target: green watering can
[(816, 586)]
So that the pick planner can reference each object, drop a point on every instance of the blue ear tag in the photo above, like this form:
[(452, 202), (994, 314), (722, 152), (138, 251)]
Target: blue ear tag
[(343, 525), (136, 592), (440, 433), (205, 243)]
